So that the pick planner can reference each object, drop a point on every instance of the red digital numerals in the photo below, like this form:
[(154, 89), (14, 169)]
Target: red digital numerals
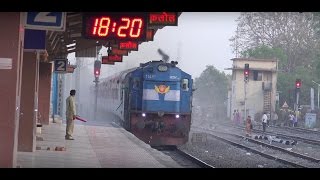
[(126, 28)]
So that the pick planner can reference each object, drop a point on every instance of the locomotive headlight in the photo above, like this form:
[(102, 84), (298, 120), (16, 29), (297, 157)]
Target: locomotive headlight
[(162, 68), (177, 116), (143, 114)]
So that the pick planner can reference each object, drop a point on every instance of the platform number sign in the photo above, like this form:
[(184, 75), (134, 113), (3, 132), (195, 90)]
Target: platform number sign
[(54, 21), (60, 65)]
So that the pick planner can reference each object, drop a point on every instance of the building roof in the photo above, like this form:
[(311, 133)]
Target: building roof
[(252, 69), (252, 59)]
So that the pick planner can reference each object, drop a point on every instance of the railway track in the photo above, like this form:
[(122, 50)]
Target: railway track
[(298, 138), (282, 155), (305, 140), (297, 129), (183, 158)]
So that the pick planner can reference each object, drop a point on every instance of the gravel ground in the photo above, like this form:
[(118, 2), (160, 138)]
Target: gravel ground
[(307, 149), (180, 159), (222, 155)]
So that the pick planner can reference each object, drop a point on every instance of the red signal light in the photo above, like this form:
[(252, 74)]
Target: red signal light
[(298, 83), (246, 72), (97, 72)]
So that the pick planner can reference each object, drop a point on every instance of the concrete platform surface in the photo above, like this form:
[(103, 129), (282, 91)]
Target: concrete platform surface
[(93, 147)]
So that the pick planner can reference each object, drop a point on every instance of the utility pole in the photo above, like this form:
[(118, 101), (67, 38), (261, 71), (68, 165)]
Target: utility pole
[(245, 100), (298, 86), (78, 81), (96, 72), (246, 80), (96, 98), (318, 90)]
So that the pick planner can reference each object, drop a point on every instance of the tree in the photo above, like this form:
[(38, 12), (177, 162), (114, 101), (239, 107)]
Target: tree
[(211, 91), (316, 66), (266, 52), (292, 32)]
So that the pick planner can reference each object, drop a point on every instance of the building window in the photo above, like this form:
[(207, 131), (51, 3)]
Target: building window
[(257, 76), (267, 76)]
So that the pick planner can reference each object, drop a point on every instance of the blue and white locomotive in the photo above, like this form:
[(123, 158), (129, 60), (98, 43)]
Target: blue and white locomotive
[(153, 101)]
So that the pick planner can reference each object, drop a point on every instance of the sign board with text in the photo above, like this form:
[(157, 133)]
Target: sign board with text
[(60, 65), (129, 45), (54, 21), (34, 39), (105, 60), (310, 120), (163, 19), (114, 58), (116, 51)]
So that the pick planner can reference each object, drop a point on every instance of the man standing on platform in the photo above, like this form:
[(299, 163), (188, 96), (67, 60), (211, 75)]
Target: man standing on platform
[(70, 114)]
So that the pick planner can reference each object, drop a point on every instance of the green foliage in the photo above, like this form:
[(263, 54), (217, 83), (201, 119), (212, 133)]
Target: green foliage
[(266, 52), (317, 22), (316, 66), (212, 90), (286, 84)]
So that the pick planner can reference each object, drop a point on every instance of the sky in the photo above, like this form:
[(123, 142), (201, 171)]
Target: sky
[(200, 39)]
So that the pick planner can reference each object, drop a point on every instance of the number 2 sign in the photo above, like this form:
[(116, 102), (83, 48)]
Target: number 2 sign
[(60, 65)]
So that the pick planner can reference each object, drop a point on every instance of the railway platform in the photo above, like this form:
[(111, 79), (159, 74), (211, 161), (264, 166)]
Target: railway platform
[(93, 147)]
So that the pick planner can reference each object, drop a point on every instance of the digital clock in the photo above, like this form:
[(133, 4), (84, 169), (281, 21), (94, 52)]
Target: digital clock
[(115, 26)]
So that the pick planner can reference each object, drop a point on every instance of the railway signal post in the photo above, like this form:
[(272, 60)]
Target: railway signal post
[(246, 80), (96, 72), (298, 86)]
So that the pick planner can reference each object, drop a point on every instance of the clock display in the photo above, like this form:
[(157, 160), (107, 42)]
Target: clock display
[(115, 26)]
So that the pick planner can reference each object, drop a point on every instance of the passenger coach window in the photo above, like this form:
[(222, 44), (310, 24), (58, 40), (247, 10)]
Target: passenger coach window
[(185, 84)]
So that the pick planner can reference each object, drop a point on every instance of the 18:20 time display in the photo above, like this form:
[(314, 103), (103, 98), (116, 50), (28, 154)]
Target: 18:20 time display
[(115, 27)]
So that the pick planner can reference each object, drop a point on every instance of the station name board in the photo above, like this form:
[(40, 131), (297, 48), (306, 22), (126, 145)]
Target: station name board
[(163, 18), (116, 51), (129, 45)]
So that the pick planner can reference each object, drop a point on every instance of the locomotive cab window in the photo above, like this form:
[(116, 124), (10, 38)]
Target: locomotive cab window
[(185, 84), (136, 83)]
